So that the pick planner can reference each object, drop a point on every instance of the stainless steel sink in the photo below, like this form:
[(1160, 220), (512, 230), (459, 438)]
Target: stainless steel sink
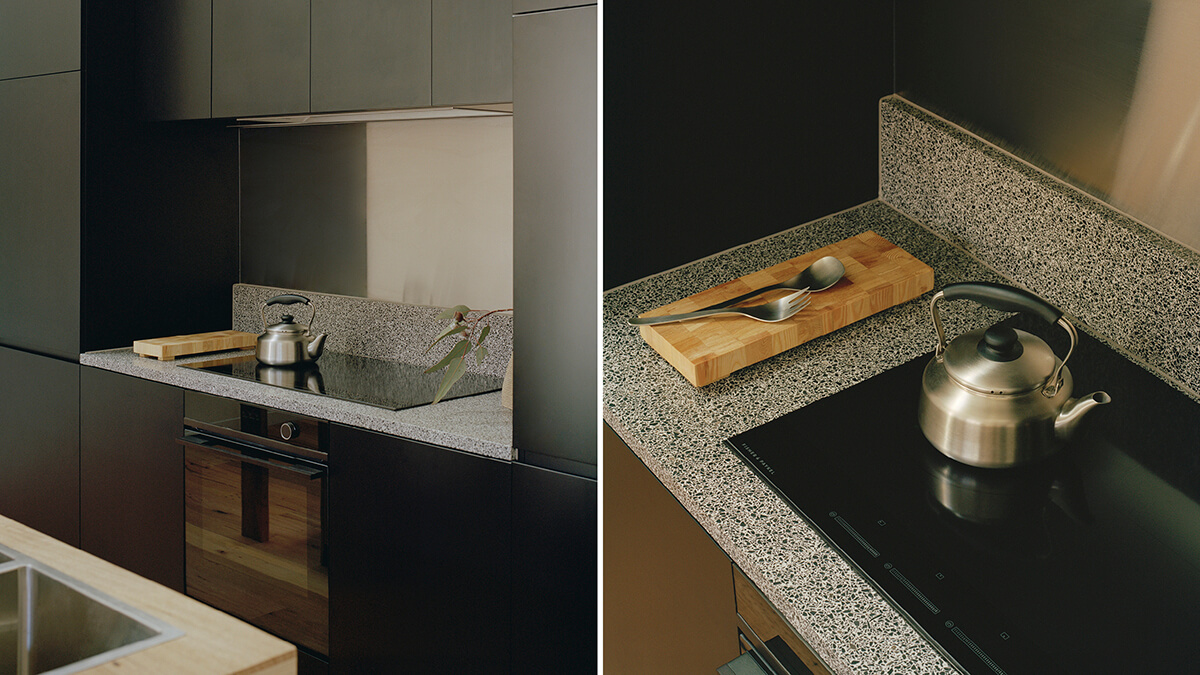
[(52, 623)]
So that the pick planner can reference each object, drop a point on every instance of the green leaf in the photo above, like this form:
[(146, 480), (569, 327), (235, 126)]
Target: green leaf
[(481, 354), (449, 314), (456, 370), (452, 329), (457, 352), (483, 333)]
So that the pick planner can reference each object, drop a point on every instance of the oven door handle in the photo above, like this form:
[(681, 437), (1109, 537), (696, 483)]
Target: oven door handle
[(255, 456)]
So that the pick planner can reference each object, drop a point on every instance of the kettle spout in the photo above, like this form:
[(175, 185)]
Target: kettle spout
[(1074, 410), (316, 346)]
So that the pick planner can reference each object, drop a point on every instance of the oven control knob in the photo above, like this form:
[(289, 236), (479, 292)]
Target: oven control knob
[(289, 430)]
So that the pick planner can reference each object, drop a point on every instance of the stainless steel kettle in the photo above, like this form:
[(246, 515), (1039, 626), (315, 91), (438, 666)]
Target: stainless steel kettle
[(288, 343), (999, 397)]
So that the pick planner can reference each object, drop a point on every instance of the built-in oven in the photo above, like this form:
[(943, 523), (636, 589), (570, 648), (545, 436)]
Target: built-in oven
[(257, 545)]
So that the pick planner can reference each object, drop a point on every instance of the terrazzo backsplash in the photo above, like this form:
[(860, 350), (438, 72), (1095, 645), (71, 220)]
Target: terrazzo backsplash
[(373, 328), (1135, 288)]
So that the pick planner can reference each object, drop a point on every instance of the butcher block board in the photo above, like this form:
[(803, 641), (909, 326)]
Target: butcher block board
[(167, 348), (879, 275)]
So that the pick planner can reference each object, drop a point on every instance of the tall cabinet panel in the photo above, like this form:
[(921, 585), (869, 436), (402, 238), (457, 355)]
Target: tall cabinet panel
[(472, 51), (370, 54), (419, 557), (39, 413), (38, 37), (132, 489), (39, 214), (260, 57), (555, 411)]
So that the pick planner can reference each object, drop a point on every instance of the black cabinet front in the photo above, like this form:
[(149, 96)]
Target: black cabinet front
[(419, 557)]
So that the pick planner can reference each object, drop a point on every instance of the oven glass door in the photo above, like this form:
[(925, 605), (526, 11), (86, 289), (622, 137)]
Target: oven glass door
[(256, 546)]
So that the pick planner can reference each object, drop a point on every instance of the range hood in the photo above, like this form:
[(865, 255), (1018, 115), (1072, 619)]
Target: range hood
[(490, 110)]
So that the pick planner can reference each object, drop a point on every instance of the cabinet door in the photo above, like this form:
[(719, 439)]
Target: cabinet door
[(472, 51), (131, 468), (39, 413), (260, 58), (554, 572), (176, 58), (38, 37), (554, 237), (419, 558), (370, 54), (39, 200)]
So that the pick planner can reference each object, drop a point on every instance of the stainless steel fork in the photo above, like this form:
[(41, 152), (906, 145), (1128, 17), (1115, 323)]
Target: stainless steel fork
[(770, 312)]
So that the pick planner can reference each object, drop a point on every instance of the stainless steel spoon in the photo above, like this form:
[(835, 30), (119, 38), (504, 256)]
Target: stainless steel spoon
[(771, 312), (816, 277)]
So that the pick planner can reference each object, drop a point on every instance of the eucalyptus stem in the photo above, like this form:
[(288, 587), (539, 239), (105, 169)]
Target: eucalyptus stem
[(455, 361)]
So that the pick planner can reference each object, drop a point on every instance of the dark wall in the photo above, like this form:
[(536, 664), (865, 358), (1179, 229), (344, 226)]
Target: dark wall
[(728, 125)]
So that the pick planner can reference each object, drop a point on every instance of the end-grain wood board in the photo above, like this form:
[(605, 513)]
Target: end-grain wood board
[(167, 348), (879, 275)]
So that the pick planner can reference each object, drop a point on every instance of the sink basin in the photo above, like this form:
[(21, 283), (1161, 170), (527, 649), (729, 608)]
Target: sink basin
[(52, 623)]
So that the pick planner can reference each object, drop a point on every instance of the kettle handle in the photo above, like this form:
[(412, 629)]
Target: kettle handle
[(287, 299), (1005, 299)]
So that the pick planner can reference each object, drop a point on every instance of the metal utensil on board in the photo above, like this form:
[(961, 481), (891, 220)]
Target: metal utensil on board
[(818, 276), (770, 312)]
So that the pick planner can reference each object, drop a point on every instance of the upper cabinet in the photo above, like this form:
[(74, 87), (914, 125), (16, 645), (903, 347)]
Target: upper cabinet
[(370, 54), (250, 58), (39, 37), (522, 6), (472, 51), (260, 57)]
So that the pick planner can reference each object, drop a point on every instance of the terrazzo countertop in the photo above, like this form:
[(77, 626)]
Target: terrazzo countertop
[(677, 430), (475, 424)]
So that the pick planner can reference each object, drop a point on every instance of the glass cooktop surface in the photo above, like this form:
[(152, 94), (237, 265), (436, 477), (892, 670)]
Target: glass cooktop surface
[(1088, 562), (385, 384)]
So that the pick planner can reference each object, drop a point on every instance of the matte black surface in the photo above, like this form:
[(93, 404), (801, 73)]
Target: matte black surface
[(38, 37), (39, 416), (175, 60), (722, 127), (554, 572), (419, 561), (1086, 563), (370, 54), (260, 57), (386, 384), (472, 51), (39, 200), (131, 491), (554, 238)]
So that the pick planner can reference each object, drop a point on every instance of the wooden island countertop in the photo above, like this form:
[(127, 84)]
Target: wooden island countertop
[(214, 643)]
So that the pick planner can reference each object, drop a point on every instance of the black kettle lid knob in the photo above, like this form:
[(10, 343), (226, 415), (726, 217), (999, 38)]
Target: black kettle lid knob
[(1000, 343)]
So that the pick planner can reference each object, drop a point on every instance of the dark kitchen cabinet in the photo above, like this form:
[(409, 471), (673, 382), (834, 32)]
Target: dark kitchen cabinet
[(38, 37), (131, 492), (668, 588), (472, 51), (40, 203), (260, 57), (370, 54), (419, 558), (554, 572), (554, 239), (39, 457)]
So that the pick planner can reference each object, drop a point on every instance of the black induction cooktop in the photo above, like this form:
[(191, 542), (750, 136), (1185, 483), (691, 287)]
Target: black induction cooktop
[(1086, 563), (392, 385)]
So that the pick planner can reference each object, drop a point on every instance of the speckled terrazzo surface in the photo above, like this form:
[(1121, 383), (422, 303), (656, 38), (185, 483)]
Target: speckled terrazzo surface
[(381, 330), (677, 430), (1131, 285)]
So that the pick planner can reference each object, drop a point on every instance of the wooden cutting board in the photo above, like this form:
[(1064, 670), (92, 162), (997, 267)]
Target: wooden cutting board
[(879, 275), (167, 348)]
